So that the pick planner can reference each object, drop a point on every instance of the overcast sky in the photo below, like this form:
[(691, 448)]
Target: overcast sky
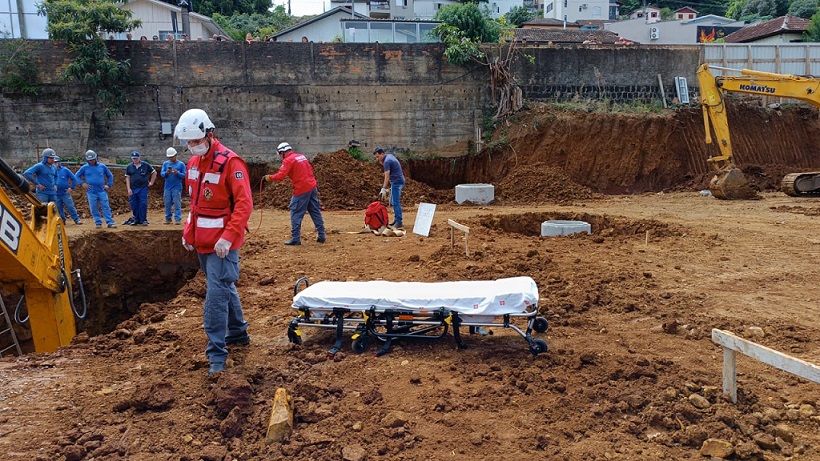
[(303, 7)]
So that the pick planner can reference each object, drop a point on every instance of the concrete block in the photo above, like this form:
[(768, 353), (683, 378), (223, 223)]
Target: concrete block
[(480, 194), (560, 227)]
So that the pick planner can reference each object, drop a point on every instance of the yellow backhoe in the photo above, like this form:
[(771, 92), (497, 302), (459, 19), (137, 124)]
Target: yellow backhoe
[(729, 181), (34, 255)]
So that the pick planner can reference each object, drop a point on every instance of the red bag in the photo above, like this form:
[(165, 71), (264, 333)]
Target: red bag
[(376, 215)]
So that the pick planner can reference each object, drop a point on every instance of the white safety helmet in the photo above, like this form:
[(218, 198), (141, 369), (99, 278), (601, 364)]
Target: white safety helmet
[(193, 124), (284, 147), (90, 155), (170, 152)]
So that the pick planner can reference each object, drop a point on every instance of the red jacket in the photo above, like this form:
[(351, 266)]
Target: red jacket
[(298, 169), (221, 201)]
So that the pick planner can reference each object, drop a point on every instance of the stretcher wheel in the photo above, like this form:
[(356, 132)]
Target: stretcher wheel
[(538, 346), (360, 344), (540, 324)]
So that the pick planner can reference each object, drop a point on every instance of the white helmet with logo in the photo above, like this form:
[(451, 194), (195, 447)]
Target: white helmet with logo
[(193, 124), (284, 147), (90, 155)]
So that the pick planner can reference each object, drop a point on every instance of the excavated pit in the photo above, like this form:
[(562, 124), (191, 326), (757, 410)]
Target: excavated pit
[(529, 224), (123, 270)]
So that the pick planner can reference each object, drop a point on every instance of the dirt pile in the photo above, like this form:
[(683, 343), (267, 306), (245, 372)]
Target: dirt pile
[(349, 184), (539, 183)]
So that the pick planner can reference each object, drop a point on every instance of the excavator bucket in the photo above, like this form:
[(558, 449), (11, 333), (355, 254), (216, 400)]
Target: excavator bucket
[(731, 184)]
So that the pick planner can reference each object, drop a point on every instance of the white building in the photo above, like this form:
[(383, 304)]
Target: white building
[(424, 9), (19, 19), (574, 10), (162, 19)]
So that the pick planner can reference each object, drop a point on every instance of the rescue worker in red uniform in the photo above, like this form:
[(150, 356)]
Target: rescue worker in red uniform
[(221, 204), (305, 193)]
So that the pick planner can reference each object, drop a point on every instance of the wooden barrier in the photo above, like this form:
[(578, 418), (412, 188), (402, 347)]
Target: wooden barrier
[(733, 344), (454, 225)]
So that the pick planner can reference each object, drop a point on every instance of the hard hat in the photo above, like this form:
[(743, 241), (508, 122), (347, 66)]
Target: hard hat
[(56, 159), (170, 152), (284, 147), (49, 153), (90, 155), (193, 124), (135, 154)]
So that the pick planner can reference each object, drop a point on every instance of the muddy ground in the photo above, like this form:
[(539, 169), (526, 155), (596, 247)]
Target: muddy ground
[(631, 371)]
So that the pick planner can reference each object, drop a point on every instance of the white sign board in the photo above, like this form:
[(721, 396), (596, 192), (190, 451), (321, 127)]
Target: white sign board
[(424, 219)]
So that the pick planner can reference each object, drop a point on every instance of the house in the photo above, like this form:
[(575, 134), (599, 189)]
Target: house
[(649, 14), (339, 24), (427, 9), (674, 32), (555, 36), (162, 19), (785, 29), (326, 27), (20, 20), (685, 14), (549, 23)]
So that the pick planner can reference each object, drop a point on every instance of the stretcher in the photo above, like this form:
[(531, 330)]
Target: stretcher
[(387, 311)]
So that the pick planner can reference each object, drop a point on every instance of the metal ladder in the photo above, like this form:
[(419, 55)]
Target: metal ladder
[(8, 329)]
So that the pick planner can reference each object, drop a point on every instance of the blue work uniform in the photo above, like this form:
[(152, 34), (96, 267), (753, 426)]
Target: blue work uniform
[(66, 180), (43, 176), (98, 177), (139, 178)]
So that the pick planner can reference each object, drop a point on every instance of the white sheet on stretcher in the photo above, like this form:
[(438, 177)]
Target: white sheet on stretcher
[(486, 297)]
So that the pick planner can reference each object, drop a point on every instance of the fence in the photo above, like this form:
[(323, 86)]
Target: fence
[(797, 59)]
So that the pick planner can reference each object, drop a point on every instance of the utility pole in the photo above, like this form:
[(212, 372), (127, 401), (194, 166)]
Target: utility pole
[(289, 8), (645, 18)]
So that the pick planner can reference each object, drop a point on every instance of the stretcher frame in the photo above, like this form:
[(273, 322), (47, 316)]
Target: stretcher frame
[(390, 324)]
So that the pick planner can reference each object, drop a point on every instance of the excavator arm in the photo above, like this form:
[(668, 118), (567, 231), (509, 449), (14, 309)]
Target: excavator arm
[(729, 181), (35, 255)]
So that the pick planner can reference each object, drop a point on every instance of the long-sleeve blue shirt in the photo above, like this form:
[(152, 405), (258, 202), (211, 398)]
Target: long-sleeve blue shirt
[(95, 176), (66, 180), (173, 181), (42, 174)]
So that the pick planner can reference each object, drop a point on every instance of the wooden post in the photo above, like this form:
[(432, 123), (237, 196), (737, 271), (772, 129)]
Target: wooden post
[(454, 225)]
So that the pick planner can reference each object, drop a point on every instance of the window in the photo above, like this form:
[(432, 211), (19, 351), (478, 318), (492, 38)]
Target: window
[(381, 32), (596, 11), (355, 32), (565, 3), (548, 8), (426, 33), (407, 33)]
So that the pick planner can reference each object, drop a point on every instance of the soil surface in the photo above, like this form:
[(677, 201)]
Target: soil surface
[(631, 372)]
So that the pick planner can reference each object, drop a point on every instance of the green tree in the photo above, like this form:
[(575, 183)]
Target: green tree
[(519, 15), (470, 22), (463, 35), (803, 8), (257, 24), (81, 24), (18, 74), (812, 33)]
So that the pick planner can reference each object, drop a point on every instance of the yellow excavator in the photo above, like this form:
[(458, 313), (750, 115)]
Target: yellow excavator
[(34, 255), (729, 181)]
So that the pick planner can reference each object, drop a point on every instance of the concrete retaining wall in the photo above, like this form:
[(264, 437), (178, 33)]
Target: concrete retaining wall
[(315, 96)]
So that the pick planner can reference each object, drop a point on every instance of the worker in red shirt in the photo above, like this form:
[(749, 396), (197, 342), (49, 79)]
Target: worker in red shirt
[(221, 204), (305, 193)]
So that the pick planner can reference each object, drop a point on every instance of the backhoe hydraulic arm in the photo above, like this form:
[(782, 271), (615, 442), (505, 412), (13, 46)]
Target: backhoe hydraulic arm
[(35, 255)]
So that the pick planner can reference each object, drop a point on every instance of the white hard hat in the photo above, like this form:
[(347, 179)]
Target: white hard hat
[(90, 155), (284, 147), (171, 152), (193, 124)]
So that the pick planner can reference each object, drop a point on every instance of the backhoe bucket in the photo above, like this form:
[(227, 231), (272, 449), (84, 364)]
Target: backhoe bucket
[(731, 185)]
